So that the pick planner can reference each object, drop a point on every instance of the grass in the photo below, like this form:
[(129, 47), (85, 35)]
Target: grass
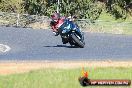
[(108, 24), (111, 27), (62, 78)]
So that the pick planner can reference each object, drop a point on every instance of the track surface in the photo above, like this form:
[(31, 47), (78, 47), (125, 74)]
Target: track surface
[(29, 44)]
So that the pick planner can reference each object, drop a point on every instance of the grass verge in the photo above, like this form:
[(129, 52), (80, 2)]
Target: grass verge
[(63, 78), (108, 24)]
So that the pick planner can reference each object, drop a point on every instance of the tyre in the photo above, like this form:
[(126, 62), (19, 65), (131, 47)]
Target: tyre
[(77, 41)]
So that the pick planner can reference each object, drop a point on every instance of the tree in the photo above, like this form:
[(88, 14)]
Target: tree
[(90, 9), (15, 6), (118, 8)]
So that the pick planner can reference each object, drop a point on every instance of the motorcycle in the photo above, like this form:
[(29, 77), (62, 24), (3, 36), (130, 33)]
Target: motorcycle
[(71, 34)]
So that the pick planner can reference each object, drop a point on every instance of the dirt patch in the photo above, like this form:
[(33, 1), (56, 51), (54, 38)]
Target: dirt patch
[(26, 66)]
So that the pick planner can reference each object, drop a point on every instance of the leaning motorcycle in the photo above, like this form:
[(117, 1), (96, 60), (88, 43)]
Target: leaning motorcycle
[(71, 33)]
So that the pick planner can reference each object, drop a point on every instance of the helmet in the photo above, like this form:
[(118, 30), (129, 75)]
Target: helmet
[(55, 16)]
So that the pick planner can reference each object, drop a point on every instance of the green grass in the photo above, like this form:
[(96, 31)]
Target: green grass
[(62, 78), (106, 23)]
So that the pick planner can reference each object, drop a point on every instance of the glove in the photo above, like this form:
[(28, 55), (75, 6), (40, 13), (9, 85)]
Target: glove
[(55, 33)]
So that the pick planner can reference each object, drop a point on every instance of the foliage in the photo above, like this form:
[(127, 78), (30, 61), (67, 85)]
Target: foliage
[(90, 9), (15, 6), (82, 8), (118, 8)]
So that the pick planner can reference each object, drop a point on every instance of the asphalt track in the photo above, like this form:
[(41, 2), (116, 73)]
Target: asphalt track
[(29, 44)]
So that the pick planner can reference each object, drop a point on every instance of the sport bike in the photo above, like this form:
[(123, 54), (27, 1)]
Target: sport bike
[(70, 33)]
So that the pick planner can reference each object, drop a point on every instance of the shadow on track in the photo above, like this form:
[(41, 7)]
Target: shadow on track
[(62, 46)]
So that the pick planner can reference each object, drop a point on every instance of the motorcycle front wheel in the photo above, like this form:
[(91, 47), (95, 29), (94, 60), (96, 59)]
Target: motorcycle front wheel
[(77, 41)]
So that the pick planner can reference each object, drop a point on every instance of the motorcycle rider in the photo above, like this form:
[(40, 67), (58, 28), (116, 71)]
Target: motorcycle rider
[(56, 22)]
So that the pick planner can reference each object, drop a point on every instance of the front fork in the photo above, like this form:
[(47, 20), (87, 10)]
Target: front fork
[(77, 30)]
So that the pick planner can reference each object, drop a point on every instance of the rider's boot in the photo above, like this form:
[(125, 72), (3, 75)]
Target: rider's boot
[(64, 40)]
